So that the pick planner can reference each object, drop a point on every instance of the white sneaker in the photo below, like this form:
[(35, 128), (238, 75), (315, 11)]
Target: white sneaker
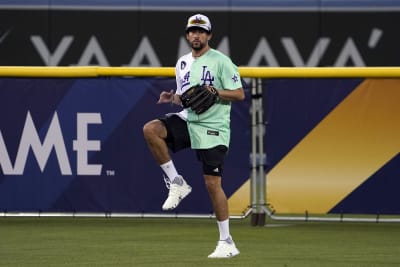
[(178, 190), (225, 249)]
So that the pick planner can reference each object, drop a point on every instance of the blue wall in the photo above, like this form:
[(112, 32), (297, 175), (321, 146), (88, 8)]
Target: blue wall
[(118, 176)]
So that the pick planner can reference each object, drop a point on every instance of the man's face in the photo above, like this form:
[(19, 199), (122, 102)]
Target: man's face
[(198, 38)]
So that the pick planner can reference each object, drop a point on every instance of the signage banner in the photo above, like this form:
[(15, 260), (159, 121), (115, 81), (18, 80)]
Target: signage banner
[(76, 145), (333, 146), (136, 37)]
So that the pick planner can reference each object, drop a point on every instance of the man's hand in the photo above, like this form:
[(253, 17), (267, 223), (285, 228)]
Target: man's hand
[(166, 97), (199, 98)]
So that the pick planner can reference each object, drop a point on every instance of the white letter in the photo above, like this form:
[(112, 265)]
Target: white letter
[(82, 145), (316, 54), (49, 59), (30, 138), (224, 46), (5, 161), (263, 50), (184, 48), (349, 51), (145, 49), (93, 50)]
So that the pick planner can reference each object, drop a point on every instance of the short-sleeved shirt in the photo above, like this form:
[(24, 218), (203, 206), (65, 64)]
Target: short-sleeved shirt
[(211, 128)]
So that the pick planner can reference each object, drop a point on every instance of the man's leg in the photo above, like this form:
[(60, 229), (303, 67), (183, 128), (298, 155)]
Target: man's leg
[(155, 134), (217, 196), (226, 247)]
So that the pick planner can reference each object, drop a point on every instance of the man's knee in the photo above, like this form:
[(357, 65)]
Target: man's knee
[(148, 129), (154, 128), (212, 182)]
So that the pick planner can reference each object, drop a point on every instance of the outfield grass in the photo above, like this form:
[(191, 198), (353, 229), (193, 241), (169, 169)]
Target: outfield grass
[(187, 242)]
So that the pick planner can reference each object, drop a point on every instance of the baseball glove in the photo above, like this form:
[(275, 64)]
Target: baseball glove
[(199, 98)]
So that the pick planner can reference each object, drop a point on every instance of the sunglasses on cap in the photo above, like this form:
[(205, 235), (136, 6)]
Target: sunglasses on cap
[(197, 21)]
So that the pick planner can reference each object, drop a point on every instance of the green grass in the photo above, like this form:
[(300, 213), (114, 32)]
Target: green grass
[(187, 242)]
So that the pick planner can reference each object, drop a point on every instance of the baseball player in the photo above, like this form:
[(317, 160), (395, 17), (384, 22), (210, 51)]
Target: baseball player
[(205, 129)]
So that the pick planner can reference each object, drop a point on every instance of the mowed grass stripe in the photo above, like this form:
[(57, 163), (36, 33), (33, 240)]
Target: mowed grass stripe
[(187, 242)]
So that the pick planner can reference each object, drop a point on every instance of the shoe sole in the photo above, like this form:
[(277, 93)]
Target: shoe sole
[(180, 200), (227, 257)]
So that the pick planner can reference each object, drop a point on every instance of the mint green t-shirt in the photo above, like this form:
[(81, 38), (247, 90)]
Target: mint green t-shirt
[(212, 128)]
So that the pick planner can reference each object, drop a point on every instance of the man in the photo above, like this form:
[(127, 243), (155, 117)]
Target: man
[(207, 133)]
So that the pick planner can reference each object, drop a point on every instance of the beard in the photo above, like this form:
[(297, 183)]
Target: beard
[(197, 46)]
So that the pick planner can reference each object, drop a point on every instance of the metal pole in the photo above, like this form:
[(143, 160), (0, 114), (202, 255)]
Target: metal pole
[(257, 181), (253, 155), (261, 155)]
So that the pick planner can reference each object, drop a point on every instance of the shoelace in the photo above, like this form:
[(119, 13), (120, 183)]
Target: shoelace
[(174, 190), (167, 181)]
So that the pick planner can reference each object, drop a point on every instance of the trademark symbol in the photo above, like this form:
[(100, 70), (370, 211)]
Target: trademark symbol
[(110, 172)]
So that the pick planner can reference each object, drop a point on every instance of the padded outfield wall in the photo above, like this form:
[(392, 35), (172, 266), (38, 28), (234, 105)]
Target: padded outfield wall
[(332, 146), (73, 145), (132, 33)]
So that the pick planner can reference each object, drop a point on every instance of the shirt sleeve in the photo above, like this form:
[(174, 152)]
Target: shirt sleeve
[(230, 75), (178, 79)]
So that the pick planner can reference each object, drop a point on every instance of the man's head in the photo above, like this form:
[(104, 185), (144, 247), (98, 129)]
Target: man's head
[(198, 32), (198, 21)]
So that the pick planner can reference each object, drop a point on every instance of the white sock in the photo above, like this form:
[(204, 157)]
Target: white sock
[(223, 227), (169, 170)]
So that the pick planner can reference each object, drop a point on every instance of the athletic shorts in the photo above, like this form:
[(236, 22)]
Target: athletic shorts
[(178, 138), (212, 159), (177, 133)]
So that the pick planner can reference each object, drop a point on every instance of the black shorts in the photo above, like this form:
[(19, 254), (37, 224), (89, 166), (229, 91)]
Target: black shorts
[(212, 159), (178, 138), (177, 133)]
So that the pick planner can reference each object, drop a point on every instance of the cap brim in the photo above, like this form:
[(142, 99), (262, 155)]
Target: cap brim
[(199, 27)]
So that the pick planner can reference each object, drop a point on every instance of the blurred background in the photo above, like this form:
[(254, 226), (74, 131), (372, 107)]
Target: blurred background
[(151, 32)]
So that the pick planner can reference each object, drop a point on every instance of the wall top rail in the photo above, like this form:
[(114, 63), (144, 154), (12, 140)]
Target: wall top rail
[(320, 72), (245, 72), (84, 71)]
